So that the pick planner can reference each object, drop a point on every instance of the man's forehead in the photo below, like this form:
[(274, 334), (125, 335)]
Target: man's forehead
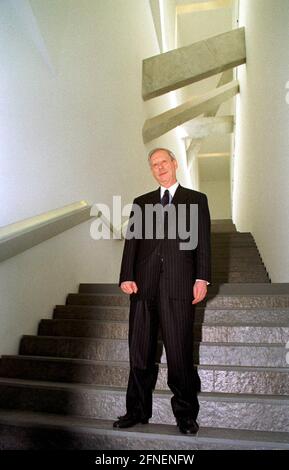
[(160, 154)]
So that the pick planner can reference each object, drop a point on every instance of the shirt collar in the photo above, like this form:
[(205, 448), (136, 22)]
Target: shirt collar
[(172, 189)]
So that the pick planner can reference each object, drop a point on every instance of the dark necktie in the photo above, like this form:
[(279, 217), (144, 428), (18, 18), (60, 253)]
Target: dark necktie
[(164, 202), (166, 198)]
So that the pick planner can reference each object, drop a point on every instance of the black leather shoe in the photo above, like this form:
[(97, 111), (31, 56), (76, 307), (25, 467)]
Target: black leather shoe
[(187, 425), (127, 421)]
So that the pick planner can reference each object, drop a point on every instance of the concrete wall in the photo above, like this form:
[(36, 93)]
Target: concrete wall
[(71, 119), (261, 173)]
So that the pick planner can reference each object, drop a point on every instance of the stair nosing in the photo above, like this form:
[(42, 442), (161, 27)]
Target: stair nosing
[(204, 343), (206, 324), (149, 431), (161, 365), (210, 396)]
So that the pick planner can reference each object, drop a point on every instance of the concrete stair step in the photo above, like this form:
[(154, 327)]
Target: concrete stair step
[(235, 254), (221, 269), (221, 379), (36, 431), (244, 354), (235, 411), (227, 251), (91, 312), (213, 300), (202, 314), (233, 242), (213, 333), (228, 289), (275, 289), (237, 251), (228, 260), (227, 244), (236, 264), (222, 221), (240, 277), (223, 229), (233, 235)]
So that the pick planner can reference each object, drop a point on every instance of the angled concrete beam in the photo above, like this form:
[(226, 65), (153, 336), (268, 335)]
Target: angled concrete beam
[(226, 77), (159, 125), (202, 127), (180, 67), (193, 148)]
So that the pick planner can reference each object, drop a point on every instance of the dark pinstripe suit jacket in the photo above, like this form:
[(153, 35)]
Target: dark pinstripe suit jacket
[(142, 258)]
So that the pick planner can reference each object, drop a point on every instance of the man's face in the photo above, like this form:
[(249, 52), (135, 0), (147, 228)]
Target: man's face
[(163, 168)]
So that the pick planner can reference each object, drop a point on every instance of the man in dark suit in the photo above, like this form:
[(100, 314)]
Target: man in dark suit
[(164, 281)]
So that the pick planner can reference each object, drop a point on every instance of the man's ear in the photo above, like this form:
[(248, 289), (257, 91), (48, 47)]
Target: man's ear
[(176, 164)]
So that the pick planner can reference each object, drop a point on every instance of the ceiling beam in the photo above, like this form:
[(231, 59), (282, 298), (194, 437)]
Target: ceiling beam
[(186, 65), (159, 125), (202, 127)]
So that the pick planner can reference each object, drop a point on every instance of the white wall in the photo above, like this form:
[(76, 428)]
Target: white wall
[(219, 198), (261, 198), (71, 118)]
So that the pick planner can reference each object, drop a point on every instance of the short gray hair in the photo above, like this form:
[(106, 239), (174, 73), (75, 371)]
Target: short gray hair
[(169, 152)]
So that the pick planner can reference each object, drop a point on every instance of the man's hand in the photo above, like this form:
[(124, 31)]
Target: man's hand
[(129, 287), (199, 291)]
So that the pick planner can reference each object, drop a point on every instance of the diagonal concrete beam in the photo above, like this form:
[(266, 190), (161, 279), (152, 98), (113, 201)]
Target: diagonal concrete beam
[(159, 125), (202, 127), (225, 78), (180, 67)]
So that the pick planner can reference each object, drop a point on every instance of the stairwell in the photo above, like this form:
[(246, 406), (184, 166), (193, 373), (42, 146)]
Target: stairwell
[(68, 383)]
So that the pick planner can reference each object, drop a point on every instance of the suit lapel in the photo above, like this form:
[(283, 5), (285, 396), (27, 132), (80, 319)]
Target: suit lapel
[(180, 196), (155, 197)]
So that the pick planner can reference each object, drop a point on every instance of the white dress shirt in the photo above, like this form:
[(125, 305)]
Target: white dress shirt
[(172, 189)]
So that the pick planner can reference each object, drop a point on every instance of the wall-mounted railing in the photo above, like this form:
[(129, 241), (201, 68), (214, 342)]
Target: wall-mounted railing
[(22, 235)]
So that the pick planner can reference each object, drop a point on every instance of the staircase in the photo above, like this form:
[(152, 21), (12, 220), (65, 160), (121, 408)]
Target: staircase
[(68, 383)]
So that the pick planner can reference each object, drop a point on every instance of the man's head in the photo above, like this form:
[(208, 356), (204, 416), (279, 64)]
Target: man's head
[(163, 165)]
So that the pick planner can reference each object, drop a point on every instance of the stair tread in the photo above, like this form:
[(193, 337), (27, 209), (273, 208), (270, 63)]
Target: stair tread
[(197, 307), (100, 426), (201, 343), (239, 397), (126, 363), (206, 324), (225, 288)]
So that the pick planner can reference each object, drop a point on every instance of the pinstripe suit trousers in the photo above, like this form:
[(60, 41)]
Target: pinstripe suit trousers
[(174, 318)]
